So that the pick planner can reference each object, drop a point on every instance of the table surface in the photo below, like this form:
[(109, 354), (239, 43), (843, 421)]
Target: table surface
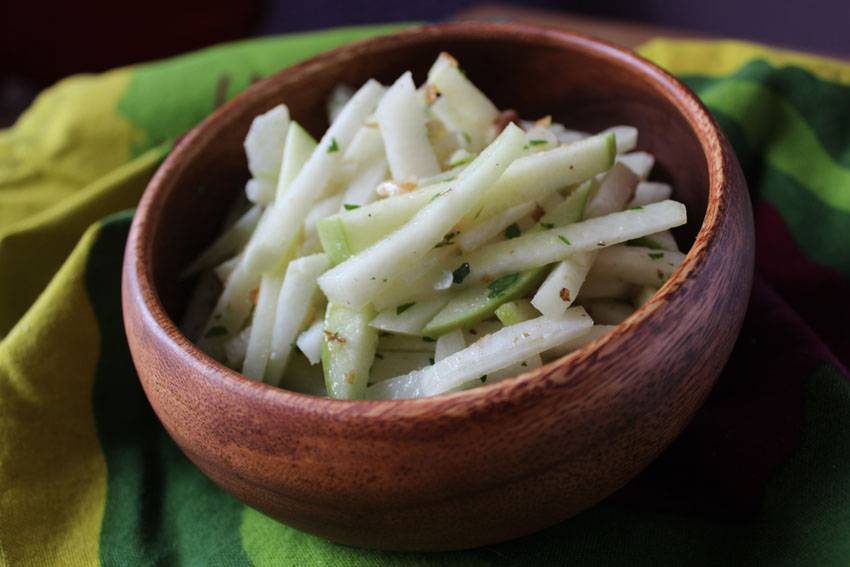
[(625, 33)]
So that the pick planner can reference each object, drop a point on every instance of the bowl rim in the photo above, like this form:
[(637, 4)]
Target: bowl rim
[(142, 291)]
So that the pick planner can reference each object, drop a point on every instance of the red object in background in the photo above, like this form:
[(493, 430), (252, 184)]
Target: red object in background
[(41, 42)]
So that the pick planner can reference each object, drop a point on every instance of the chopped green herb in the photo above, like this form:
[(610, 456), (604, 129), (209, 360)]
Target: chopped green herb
[(429, 339), (547, 225), (402, 308), (467, 137), (460, 273), (525, 147), (216, 331), (524, 364), (350, 207), (656, 255), (512, 231), (334, 147), (638, 208), (379, 355), (660, 275), (500, 286), (537, 142), (565, 240), (431, 359), (440, 194), (483, 378)]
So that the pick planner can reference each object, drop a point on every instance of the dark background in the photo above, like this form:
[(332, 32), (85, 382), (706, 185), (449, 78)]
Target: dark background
[(41, 42)]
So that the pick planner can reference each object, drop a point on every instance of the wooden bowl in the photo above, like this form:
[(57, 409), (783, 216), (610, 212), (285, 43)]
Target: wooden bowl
[(488, 464)]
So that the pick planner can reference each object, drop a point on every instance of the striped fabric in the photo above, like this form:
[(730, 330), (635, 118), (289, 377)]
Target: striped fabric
[(88, 476)]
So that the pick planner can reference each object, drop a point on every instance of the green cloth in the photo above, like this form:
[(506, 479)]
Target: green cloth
[(88, 475)]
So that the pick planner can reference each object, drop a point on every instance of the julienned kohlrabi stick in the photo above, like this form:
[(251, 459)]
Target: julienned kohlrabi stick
[(361, 278)]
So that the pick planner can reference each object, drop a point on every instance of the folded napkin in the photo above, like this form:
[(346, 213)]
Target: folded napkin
[(87, 474)]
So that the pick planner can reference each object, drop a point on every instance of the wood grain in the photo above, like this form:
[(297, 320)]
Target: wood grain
[(488, 464)]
